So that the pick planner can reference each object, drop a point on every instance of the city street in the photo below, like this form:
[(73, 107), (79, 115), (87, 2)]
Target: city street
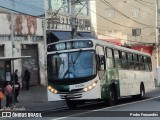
[(80, 59), (124, 110)]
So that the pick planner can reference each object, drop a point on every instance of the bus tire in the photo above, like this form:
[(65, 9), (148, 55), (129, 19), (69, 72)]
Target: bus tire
[(71, 104), (142, 92), (112, 97)]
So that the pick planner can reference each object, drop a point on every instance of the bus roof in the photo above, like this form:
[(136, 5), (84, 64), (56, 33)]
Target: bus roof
[(120, 47), (107, 44)]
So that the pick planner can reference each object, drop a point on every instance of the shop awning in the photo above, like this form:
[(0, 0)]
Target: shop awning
[(66, 35), (146, 49), (54, 36)]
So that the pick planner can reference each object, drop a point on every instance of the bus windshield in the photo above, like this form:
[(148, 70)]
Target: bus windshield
[(77, 64)]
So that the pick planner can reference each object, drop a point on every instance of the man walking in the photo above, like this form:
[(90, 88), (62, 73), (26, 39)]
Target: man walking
[(17, 85)]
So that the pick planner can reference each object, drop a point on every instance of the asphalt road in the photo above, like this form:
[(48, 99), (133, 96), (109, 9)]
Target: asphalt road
[(127, 109)]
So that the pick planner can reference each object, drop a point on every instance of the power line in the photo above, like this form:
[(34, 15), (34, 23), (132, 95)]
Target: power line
[(140, 9), (81, 8), (108, 4), (133, 41), (20, 12), (144, 5), (147, 2), (29, 5), (108, 19)]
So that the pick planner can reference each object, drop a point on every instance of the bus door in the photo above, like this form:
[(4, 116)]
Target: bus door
[(100, 61)]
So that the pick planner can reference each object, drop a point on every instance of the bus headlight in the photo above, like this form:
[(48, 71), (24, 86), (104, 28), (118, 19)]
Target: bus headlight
[(52, 90), (91, 86)]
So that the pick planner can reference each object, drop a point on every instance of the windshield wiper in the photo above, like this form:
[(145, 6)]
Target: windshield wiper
[(79, 53), (72, 63)]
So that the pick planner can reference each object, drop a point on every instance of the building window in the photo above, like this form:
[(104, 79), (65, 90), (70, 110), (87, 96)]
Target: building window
[(136, 32), (82, 8), (135, 13), (36, 38), (20, 38), (4, 38), (110, 13), (58, 5)]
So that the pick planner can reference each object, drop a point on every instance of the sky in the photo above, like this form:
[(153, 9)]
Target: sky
[(31, 7)]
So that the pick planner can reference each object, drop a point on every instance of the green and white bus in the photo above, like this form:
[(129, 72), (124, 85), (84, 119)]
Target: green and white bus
[(89, 69)]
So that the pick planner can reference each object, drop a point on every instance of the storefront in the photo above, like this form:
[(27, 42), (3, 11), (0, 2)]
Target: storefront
[(54, 36)]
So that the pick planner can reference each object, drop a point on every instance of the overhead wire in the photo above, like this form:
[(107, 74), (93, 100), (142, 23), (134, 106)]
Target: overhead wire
[(147, 2), (142, 3), (132, 41), (111, 6), (108, 19), (19, 12), (29, 5), (140, 9), (98, 15), (81, 8)]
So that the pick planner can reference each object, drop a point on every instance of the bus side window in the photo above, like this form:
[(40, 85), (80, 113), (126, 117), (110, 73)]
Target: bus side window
[(130, 61), (146, 63), (149, 63), (141, 62), (124, 60), (117, 60), (136, 63), (110, 61)]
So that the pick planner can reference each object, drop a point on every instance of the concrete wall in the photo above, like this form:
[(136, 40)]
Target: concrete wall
[(17, 52), (26, 27)]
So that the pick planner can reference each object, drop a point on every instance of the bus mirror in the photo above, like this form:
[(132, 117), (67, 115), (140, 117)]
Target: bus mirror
[(100, 61)]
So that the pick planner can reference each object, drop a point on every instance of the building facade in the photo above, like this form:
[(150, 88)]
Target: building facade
[(129, 22), (28, 41), (31, 35), (59, 14)]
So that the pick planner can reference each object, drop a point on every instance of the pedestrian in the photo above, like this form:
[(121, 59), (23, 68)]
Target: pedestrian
[(27, 78), (1, 97), (17, 85), (8, 92)]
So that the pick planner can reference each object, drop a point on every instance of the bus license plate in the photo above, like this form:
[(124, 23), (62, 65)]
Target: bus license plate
[(69, 96)]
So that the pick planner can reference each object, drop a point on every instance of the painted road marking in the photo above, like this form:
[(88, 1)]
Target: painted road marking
[(60, 118)]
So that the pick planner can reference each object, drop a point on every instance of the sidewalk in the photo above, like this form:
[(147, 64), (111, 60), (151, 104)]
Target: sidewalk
[(35, 99)]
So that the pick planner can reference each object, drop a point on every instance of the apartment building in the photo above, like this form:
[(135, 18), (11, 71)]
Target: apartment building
[(131, 22)]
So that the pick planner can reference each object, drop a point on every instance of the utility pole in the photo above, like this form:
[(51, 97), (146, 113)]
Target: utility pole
[(74, 23), (73, 19), (157, 44), (13, 47)]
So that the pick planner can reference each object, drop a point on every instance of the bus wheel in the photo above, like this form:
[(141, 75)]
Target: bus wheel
[(71, 104), (112, 97), (142, 92)]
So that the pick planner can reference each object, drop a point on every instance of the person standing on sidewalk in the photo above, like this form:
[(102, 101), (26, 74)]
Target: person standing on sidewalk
[(17, 85), (27, 78)]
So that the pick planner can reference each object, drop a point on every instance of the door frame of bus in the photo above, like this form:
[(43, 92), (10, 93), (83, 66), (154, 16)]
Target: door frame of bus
[(10, 61)]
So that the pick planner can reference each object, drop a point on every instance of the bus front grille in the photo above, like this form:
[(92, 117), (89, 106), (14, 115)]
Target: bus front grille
[(71, 96)]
